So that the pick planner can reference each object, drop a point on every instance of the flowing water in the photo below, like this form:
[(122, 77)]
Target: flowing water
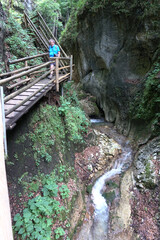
[(101, 214), (97, 230)]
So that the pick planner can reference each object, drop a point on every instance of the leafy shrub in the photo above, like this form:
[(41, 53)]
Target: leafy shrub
[(52, 126), (19, 40), (48, 130), (42, 211), (146, 105)]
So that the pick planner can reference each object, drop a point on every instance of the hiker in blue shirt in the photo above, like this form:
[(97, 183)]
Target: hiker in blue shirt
[(54, 51)]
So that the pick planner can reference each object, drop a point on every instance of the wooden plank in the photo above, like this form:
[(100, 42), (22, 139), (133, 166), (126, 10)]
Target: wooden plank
[(19, 97), (11, 122), (22, 102), (25, 94), (12, 115), (27, 103), (21, 108), (7, 107), (13, 102)]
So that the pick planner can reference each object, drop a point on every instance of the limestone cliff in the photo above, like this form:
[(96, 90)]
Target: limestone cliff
[(113, 54)]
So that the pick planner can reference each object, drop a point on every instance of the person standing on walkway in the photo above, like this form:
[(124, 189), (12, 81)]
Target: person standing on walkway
[(54, 51)]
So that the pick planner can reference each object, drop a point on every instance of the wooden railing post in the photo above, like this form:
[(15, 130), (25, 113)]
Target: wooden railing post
[(3, 119), (57, 74), (71, 63), (26, 63), (5, 213)]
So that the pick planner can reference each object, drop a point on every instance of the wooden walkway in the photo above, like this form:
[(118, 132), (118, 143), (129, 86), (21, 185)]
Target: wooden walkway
[(26, 92), (29, 101)]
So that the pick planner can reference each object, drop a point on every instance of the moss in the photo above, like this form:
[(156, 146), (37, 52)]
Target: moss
[(139, 9), (109, 196), (89, 188), (145, 105), (112, 184)]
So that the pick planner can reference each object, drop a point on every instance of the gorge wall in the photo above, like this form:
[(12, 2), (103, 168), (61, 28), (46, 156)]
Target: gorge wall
[(113, 55), (2, 34)]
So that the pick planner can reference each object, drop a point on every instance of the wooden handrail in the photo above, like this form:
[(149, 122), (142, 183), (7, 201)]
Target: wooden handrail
[(12, 95), (3, 81), (15, 71), (61, 58), (27, 58), (19, 83)]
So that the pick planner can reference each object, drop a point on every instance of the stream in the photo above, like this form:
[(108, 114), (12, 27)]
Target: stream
[(97, 228)]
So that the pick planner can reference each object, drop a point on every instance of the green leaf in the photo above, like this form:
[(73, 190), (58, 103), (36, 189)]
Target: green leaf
[(21, 231)]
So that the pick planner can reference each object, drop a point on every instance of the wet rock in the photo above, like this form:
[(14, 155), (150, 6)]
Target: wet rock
[(145, 171), (95, 159), (121, 215)]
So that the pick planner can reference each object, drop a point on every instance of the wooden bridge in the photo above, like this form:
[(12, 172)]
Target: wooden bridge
[(24, 93)]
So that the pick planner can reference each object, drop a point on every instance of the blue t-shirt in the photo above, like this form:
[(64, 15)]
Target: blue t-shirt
[(53, 51)]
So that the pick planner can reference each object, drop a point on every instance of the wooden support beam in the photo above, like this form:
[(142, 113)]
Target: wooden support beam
[(64, 76), (57, 74), (43, 33), (44, 29), (64, 67), (34, 16), (34, 28), (52, 36), (5, 212)]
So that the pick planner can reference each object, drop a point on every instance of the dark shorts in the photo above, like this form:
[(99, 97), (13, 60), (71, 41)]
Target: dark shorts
[(52, 64)]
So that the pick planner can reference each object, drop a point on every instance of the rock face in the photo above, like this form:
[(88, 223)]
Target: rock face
[(2, 33), (114, 55), (146, 170)]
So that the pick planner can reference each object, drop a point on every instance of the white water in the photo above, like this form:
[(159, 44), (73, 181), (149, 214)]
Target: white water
[(101, 214), (97, 120)]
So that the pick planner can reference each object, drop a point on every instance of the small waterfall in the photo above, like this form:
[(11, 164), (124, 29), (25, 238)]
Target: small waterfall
[(96, 227), (101, 214)]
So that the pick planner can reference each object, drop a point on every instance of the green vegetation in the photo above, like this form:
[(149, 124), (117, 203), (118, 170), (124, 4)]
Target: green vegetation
[(43, 210), (109, 196), (48, 130), (19, 41), (51, 126), (136, 9), (146, 105)]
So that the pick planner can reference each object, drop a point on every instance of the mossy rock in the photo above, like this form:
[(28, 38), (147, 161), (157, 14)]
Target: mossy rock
[(89, 189), (109, 196)]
